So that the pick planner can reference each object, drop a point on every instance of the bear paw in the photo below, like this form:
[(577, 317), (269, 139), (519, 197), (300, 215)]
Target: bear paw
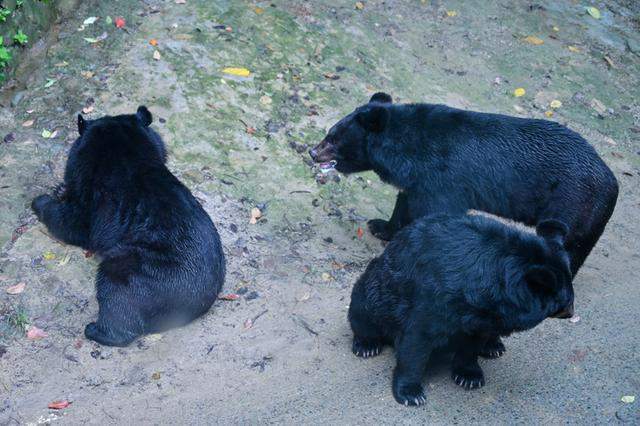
[(93, 332), (468, 377), (409, 394), (38, 204), (494, 348), (380, 229), (366, 349)]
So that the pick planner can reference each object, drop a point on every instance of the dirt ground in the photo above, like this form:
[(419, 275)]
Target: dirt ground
[(281, 352)]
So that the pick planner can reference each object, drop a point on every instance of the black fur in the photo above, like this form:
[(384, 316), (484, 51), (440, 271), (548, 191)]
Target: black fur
[(454, 283), (448, 160), (162, 261)]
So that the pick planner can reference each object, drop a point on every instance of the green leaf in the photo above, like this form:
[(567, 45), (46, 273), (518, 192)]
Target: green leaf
[(108, 20), (90, 20), (50, 82), (21, 38), (594, 12), (46, 134), (91, 39), (628, 399)]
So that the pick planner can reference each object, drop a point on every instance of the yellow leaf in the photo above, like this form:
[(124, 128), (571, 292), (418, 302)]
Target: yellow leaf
[(519, 92), (534, 40), (548, 113), (359, 5), (49, 256), (573, 49), (326, 277), (258, 10), (452, 13), (628, 399), (594, 12), (555, 28), (555, 104), (240, 72)]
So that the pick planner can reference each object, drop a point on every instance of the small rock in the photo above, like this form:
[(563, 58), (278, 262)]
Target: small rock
[(252, 295), (10, 137), (17, 98)]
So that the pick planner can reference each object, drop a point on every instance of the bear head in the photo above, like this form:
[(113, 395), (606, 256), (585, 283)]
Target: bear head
[(345, 145)]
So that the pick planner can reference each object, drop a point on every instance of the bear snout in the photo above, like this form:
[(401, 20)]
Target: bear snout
[(323, 152), (565, 313)]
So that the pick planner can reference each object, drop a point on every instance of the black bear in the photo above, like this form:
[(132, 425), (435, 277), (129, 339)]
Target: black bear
[(444, 159), (162, 263), (451, 283)]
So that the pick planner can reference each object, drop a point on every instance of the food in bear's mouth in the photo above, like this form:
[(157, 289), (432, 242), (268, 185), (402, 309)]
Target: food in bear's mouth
[(328, 166)]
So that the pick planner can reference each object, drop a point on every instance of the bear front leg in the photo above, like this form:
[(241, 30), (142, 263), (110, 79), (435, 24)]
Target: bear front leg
[(493, 348), (413, 349), (61, 220), (385, 230), (465, 370)]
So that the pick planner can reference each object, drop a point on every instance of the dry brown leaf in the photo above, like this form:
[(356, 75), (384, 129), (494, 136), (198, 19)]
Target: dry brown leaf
[(28, 123), (230, 297), (59, 405), (88, 109), (255, 215), (16, 289), (35, 333), (536, 41)]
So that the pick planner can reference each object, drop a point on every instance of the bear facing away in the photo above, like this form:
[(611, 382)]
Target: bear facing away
[(162, 261), (448, 160), (452, 283)]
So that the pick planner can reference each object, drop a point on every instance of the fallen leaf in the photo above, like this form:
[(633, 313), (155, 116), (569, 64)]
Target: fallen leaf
[(59, 405), (240, 72), (534, 40), (304, 297), (555, 28), (360, 232), (88, 109), (230, 297), (87, 74), (181, 1), (265, 100), (452, 13), (120, 22), (594, 12), (609, 61), (573, 49), (90, 20), (108, 20), (50, 82), (574, 319), (248, 324), (91, 40), (155, 376), (250, 130), (16, 289), (28, 123), (598, 106), (255, 215), (555, 104), (46, 134), (61, 64), (49, 255), (153, 42), (331, 76), (326, 276), (548, 114), (628, 399), (65, 259), (359, 5), (35, 333), (156, 55), (258, 10), (154, 337), (519, 92)]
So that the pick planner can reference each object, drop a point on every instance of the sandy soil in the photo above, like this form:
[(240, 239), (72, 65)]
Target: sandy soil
[(239, 143)]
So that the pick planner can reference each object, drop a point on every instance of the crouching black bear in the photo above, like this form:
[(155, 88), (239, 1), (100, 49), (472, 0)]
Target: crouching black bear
[(444, 159), (162, 261), (452, 283)]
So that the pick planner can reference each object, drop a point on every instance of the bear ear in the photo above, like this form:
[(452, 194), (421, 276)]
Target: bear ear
[(540, 278), (374, 118), (381, 97), (553, 230), (82, 124), (144, 115)]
